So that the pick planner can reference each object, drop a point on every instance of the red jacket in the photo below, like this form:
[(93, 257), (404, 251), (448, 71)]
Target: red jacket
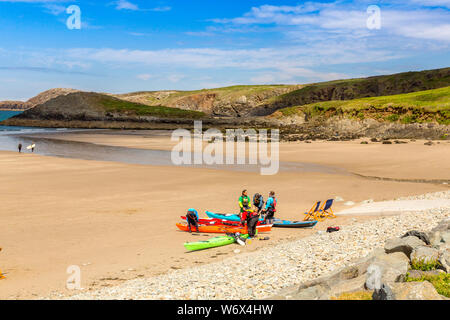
[(247, 215)]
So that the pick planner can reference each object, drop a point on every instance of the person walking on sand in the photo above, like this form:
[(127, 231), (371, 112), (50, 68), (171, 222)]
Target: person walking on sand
[(270, 208), (244, 202), (251, 218), (192, 219), (20, 147)]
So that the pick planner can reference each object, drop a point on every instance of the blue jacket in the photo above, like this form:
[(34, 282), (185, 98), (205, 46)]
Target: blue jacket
[(271, 203), (194, 211)]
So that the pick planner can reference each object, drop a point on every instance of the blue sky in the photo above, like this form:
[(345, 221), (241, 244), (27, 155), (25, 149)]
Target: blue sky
[(133, 45)]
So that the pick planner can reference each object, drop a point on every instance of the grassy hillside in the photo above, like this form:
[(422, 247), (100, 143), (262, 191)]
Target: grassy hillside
[(415, 107), (85, 106), (366, 87), (127, 107), (232, 92)]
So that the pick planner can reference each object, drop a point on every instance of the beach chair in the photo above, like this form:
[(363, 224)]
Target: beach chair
[(326, 211), (311, 214)]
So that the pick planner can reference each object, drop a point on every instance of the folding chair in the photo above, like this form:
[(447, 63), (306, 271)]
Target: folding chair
[(326, 211), (311, 214)]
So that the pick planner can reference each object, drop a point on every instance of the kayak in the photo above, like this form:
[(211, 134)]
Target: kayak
[(223, 229), (212, 243), (277, 223), (219, 222), (226, 216)]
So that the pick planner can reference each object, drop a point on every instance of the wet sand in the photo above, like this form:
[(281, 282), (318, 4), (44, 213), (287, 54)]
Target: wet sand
[(117, 220)]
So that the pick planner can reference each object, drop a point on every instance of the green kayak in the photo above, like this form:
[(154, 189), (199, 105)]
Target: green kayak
[(212, 243)]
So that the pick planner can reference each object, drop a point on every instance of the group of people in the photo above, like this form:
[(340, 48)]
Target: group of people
[(19, 147), (250, 216), (250, 212)]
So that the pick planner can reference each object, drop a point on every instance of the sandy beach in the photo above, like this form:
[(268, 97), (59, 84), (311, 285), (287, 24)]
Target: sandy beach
[(117, 220)]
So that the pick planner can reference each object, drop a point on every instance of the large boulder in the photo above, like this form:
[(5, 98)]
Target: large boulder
[(440, 234), (422, 290), (425, 254), (386, 268), (444, 259), (405, 245), (421, 235)]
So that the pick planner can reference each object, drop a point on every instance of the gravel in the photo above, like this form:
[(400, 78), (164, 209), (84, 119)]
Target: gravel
[(264, 273)]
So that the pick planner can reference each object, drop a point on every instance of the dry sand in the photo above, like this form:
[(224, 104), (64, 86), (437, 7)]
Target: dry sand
[(117, 221)]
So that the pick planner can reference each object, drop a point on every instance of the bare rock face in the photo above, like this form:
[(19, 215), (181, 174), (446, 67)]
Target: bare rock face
[(198, 102), (49, 95), (422, 290), (14, 105), (387, 268), (405, 245), (425, 254)]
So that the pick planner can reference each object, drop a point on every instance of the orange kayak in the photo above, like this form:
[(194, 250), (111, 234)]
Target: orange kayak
[(224, 229)]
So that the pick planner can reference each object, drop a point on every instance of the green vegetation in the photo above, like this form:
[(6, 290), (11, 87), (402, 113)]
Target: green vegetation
[(226, 93), (423, 265), (440, 282), (367, 87), (415, 107), (126, 107)]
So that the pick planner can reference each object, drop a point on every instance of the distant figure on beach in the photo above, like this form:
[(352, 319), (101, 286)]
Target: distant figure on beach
[(258, 202), (32, 147), (192, 219), (244, 202), (20, 147), (270, 208)]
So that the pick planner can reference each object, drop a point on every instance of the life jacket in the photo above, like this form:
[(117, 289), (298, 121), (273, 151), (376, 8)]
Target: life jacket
[(258, 200), (245, 201), (273, 205), (248, 214)]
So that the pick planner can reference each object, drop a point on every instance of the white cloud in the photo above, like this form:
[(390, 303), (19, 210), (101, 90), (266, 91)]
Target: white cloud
[(409, 21), (126, 5)]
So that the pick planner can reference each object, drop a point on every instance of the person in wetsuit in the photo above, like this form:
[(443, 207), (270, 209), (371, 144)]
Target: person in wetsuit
[(251, 218), (192, 219), (244, 202), (258, 202), (270, 208)]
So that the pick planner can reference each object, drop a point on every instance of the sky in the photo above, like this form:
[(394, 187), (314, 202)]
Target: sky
[(135, 45)]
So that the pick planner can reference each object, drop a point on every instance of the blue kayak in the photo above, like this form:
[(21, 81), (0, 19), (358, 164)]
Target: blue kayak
[(278, 223), (293, 224), (225, 216)]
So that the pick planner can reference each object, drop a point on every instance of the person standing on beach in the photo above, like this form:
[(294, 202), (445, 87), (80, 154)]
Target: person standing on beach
[(192, 219), (258, 202), (244, 202), (251, 218), (20, 147), (270, 208)]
